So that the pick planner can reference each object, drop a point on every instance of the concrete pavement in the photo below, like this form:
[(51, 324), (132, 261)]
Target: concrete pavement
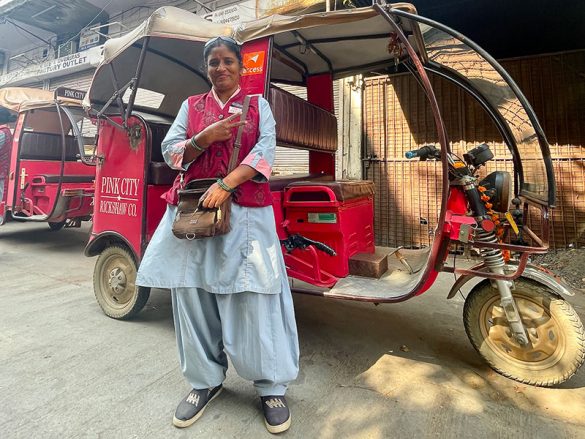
[(68, 371)]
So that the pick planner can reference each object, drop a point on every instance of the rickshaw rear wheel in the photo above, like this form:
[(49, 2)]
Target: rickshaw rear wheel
[(114, 283), (55, 227), (557, 339)]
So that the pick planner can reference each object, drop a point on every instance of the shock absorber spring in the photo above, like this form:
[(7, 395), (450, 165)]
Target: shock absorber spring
[(492, 257)]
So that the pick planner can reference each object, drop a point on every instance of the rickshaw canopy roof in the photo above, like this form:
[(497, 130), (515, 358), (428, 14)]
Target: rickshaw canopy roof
[(164, 56), (19, 99), (174, 67), (176, 23)]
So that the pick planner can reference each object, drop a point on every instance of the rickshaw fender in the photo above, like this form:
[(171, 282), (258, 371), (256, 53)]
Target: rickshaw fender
[(99, 242), (535, 273)]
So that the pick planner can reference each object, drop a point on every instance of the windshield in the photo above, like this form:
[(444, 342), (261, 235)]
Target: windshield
[(47, 122), (87, 129), (449, 54)]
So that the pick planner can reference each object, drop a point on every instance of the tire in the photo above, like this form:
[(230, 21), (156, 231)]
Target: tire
[(55, 227), (557, 348), (114, 278)]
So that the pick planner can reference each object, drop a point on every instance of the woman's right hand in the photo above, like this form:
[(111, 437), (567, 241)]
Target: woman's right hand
[(219, 131)]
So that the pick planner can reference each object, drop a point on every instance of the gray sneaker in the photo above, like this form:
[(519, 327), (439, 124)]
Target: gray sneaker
[(192, 406), (276, 413)]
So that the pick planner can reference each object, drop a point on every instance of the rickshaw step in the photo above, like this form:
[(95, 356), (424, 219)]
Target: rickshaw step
[(370, 264)]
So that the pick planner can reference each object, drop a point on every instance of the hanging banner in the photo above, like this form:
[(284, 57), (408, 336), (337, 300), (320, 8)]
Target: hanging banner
[(255, 56), (65, 65)]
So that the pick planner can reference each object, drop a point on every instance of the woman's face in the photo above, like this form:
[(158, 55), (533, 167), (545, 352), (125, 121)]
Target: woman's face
[(223, 69)]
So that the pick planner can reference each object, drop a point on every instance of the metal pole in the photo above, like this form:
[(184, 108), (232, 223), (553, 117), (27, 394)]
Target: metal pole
[(117, 94), (136, 79)]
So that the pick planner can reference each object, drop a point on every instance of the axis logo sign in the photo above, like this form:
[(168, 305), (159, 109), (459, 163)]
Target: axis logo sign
[(253, 63)]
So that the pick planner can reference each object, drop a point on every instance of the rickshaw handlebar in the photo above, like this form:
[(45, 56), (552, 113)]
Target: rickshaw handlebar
[(302, 242), (425, 152)]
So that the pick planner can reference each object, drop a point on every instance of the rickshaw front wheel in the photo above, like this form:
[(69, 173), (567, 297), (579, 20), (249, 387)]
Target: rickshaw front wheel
[(114, 284), (557, 339)]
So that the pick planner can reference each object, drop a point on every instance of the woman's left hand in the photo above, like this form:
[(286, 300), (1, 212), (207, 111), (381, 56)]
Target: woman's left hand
[(214, 196)]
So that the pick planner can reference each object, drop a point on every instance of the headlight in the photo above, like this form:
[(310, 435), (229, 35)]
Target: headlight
[(499, 189)]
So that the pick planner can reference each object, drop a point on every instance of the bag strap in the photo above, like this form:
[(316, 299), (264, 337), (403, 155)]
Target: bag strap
[(238, 142)]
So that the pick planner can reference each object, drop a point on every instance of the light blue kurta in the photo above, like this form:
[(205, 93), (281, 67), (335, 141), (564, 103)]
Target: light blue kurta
[(248, 258), (256, 327)]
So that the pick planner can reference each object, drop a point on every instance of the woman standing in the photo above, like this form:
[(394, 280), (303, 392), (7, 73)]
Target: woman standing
[(230, 293)]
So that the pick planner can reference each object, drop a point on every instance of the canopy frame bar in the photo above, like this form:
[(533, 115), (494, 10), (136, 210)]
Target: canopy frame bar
[(336, 40), (125, 111), (543, 143), (135, 81), (310, 46), (294, 58)]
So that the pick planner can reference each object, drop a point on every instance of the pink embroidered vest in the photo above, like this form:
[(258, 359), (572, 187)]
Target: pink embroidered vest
[(213, 163)]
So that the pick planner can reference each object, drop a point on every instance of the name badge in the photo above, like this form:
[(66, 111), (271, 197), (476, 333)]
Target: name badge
[(234, 110)]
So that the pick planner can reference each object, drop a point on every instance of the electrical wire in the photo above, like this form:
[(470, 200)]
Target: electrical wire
[(155, 5), (91, 22), (21, 32)]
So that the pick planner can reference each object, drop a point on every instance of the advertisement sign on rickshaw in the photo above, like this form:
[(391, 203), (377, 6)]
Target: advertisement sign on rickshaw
[(516, 317)]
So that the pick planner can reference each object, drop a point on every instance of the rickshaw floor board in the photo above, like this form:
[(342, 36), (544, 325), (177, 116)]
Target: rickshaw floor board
[(388, 288)]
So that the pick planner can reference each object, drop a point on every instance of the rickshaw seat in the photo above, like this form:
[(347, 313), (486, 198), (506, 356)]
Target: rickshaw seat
[(47, 146), (159, 173), (300, 124), (344, 190), (279, 182)]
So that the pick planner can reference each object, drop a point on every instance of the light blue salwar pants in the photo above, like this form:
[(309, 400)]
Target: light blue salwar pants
[(257, 331)]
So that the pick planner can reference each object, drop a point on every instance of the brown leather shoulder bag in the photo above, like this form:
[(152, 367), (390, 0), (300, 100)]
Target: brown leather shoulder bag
[(192, 220)]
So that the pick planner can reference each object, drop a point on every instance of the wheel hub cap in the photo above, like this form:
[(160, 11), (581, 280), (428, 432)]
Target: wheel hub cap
[(117, 280), (541, 329)]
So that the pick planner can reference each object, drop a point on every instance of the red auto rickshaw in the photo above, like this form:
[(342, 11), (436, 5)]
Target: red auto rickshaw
[(46, 172), (516, 316)]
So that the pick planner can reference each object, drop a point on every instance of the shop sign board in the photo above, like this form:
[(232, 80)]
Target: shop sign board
[(88, 38), (245, 11), (265, 8), (64, 65), (69, 93)]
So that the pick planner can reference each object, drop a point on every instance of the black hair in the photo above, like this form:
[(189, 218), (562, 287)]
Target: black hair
[(228, 42)]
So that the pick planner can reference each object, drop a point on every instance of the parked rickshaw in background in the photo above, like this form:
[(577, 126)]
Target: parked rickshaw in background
[(46, 172), (516, 316)]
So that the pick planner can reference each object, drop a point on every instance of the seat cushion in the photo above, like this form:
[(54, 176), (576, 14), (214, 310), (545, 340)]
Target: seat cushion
[(343, 189), (47, 146), (160, 173), (279, 182)]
